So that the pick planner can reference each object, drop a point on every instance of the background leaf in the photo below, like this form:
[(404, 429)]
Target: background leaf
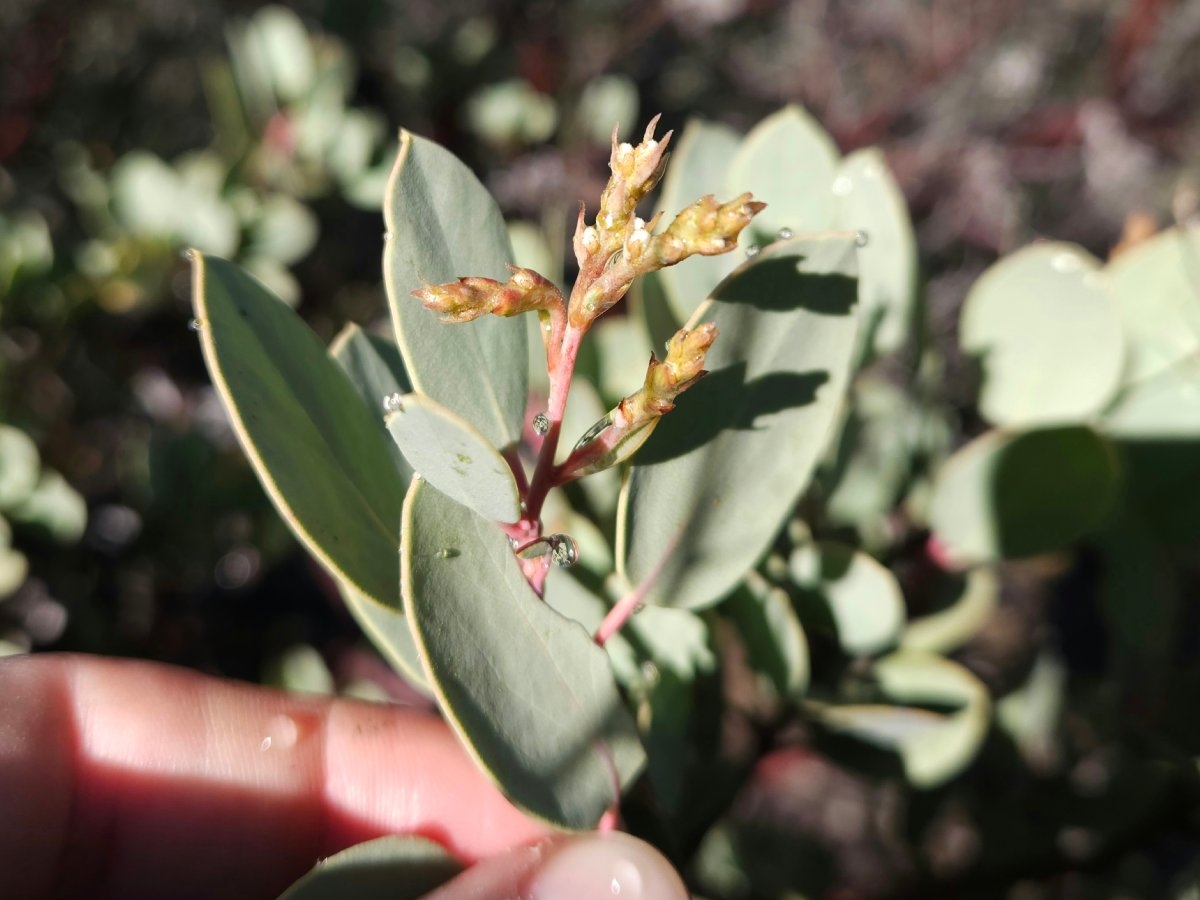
[(700, 159), (526, 690), (723, 470), (1028, 314), (851, 592), (788, 161), (868, 199), (1008, 495), (442, 225)]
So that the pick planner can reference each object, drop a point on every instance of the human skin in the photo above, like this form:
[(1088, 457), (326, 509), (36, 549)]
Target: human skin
[(129, 779)]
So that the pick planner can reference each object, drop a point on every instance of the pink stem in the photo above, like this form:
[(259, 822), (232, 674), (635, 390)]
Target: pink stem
[(560, 385), (627, 605)]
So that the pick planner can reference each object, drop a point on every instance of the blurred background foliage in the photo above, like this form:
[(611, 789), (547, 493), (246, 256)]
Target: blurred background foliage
[(130, 524)]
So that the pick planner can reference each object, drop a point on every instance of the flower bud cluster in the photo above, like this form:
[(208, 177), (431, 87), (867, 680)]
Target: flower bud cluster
[(470, 298), (706, 228)]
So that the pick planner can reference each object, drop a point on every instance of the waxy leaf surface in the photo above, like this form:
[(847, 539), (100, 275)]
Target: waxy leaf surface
[(442, 225), (527, 691)]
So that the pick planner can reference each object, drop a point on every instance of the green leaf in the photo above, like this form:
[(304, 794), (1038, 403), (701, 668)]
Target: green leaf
[(721, 473), (1164, 406), (774, 638), (55, 507), (788, 161), (868, 200), (1008, 495), (1156, 288), (1030, 313), (970, 600), (374, 367), (315, 447), (388, 630), (13, 569), (699, 161), (443, 225), (932, 747), (397, 867), (19, 466), (850, 592), (454, 457), (526, 690), (285, 230)]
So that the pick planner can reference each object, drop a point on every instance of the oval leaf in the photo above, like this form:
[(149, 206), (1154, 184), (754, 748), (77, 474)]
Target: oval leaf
[(719, 476), (1005, 495), (933, 747), (454, 457), (1154, 287), (788, 161), (850, 591), (526, 690), (868, 200), (775, 641), (374, 367), (972, 599), (442, 225), (318, 452), (397, 867), (699, 162), (1024, 317)]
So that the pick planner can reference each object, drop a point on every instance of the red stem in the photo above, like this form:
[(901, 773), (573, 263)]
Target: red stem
[(560, 385)]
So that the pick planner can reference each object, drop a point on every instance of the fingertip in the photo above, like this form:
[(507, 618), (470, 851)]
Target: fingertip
[(603, 866)]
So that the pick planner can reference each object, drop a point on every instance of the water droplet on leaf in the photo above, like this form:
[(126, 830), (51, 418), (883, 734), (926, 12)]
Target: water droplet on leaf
[(752, 250), (541, 423), (785, 234), (564, 552), (861, 238), (393, 403), (189, 255), (446, 553), (195, 325), (387, 236)]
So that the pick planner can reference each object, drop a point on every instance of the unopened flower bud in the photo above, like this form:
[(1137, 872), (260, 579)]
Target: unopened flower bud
[(707, 228), (470, 298)]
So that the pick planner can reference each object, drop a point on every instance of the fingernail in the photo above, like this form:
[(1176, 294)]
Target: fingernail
[(612, 866)]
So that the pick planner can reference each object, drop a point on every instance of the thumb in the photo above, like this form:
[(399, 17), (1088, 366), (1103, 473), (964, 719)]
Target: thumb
[(593, 866)]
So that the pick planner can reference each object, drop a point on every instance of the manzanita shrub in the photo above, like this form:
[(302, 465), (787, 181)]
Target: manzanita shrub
[(431, 441), (557, 542)]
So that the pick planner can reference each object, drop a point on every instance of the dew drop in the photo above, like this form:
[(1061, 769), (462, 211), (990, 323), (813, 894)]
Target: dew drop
[(283, 734), (861, 238), (1065, 262), (393, 403), (784, 234), (189, 255), (387, 236), (564, 552), (541, 423), (266, 744), (195, 325), (752, 250), (649, 672), (842, 185), (447, 553)]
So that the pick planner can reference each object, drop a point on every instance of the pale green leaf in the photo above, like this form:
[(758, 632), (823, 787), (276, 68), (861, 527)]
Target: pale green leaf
[(1008, 495), (316, 448), (851, 592), (526, 690), (396, 867), (869, 200), (971, 599), (1046, 335), (789, 162), (454, 457), (933, 747), (700, 159), (722, 472), (442, 225)]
